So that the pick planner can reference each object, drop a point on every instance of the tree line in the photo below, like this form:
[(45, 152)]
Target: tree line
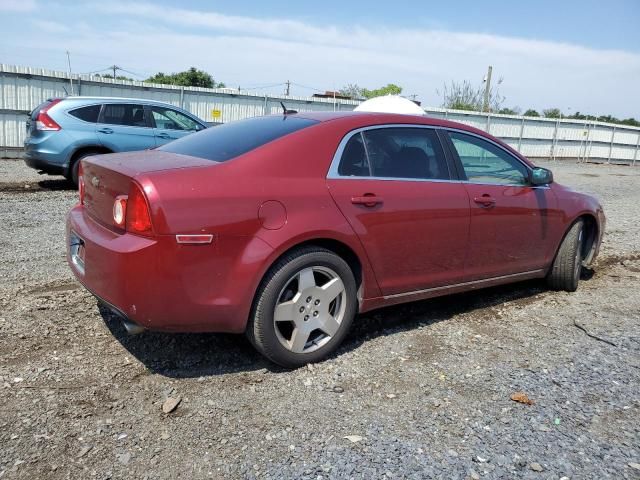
[(189, 78), (465, 96)]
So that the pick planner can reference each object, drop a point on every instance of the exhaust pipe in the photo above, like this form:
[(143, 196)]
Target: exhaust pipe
[(132, 328)]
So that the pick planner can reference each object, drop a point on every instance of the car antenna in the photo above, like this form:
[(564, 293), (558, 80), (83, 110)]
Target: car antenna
[(285, 111)]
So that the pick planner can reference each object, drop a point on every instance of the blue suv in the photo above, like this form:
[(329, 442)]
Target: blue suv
[(62, 131)]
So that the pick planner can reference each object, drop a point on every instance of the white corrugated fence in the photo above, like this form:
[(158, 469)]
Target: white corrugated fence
[(23, 88)]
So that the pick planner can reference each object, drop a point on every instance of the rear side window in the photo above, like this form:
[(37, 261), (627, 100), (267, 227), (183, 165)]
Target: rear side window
[(127, 114), (88, 114), (395, 153), (236, 138)]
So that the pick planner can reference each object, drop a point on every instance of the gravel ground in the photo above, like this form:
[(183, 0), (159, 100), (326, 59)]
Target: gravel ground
[(417, 391)]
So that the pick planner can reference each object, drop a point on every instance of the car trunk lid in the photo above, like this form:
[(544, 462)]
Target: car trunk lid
[(108, 176)]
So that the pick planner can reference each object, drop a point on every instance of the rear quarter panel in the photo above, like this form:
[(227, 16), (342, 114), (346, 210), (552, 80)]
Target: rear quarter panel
[(224, 199)]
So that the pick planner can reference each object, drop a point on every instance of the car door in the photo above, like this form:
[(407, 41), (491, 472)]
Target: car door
[(510, 218), (124, 127), (170, 124), (394, 187)]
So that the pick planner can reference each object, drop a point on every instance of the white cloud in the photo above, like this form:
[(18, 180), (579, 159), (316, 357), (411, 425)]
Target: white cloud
[(17, 5), (244, 50), (49, 26)]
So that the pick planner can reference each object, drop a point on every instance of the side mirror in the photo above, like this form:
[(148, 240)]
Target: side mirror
[(541, 176)]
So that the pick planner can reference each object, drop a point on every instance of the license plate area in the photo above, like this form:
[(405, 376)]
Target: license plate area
[(77, 251)]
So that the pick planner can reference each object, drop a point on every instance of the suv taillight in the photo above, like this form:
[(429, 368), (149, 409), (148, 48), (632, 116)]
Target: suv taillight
[(44, 121), (138, 215), (80, 183)]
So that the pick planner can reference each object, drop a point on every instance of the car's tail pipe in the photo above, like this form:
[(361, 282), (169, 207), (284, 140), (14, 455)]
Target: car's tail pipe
[(132, 328)]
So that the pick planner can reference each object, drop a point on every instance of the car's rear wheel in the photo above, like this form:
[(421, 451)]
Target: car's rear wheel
[(304, 307), (73, 172), (567, 266)]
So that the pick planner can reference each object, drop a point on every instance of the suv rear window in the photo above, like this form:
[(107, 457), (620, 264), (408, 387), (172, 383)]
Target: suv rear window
[(88, 114), (233, 139)]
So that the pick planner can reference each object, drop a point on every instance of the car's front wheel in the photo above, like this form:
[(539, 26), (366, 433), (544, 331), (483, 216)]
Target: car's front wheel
[(567, 266), (303, 308)]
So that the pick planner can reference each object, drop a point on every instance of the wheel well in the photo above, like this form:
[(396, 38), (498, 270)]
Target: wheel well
[(591, 235), (341, 249), (78, 153)]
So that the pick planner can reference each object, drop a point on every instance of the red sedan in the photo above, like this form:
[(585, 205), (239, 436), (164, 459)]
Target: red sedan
[(285, 227)]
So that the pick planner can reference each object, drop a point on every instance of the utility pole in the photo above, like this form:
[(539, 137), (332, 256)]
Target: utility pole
[(487, 89), (70, 78), (115, 68), (286, 93)]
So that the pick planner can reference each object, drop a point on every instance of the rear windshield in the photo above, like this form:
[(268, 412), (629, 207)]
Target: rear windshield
[(230, 140)]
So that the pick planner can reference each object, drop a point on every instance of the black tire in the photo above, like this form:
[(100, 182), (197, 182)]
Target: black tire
[(567, 266), (261, 328), (73, 172)]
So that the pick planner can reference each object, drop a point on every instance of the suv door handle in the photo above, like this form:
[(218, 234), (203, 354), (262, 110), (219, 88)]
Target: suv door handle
[(105, 130), (164, 135), (486, 201), (368, 200)]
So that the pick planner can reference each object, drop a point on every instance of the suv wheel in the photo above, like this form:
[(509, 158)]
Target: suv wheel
[(73, 176)]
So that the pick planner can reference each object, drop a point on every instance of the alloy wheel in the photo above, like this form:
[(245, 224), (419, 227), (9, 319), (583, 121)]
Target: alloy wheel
[(310, 309)]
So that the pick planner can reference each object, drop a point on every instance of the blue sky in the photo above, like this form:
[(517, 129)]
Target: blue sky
[(574, 55)]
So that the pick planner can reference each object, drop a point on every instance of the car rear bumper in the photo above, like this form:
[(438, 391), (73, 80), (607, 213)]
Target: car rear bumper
[(161, 285), (43, 165)]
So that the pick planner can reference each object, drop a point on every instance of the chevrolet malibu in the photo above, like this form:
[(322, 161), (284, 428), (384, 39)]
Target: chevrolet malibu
[(285, 227)]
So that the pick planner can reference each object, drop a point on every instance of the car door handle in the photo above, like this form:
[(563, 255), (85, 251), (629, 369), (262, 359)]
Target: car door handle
[(367, 200), (164, 135), (105, 130), (485, 200)]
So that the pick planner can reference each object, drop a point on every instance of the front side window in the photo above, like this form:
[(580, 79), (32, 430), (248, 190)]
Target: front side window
[(166, 118), (397, 152), (484, 162), (130, 115)]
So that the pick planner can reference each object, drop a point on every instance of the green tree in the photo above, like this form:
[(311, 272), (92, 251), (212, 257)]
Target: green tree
[(510, 111), (389, 89), (189, 78), (531, 113), (355, 91), (630, 121), (552, 113), (108, 75)]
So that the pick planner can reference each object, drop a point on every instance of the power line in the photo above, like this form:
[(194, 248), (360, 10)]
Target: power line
[(307, 87)]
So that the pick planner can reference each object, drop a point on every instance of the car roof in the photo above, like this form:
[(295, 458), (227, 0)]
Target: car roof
[(374, 118), (82, 99)]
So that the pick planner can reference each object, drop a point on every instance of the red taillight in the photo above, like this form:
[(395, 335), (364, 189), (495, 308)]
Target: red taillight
[(80, 183), (120, 210), (138, 215), (44, 121)]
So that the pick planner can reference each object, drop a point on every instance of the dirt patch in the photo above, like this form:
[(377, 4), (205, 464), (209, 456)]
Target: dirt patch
[(421, 390)]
